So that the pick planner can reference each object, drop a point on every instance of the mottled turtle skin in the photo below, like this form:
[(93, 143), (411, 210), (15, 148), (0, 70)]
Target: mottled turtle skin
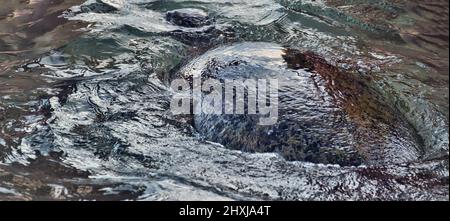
[(326, 115), (189, 17), (197, 28)]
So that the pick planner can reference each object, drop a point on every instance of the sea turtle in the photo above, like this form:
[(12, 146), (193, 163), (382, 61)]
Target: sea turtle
[(197, 28), (326, 115)]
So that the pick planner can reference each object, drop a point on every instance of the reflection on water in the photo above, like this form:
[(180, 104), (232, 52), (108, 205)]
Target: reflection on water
[(84, 114), (33, 27)]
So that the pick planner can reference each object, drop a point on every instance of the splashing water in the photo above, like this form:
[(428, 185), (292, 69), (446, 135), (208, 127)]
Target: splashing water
[(85, 97)]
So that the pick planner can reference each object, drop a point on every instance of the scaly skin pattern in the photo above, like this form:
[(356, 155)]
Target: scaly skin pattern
[(326, 115)]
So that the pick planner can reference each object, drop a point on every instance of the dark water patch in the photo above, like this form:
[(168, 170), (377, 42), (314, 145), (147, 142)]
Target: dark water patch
[(31, 29), (377, 30), (45, 178), (98, 7)]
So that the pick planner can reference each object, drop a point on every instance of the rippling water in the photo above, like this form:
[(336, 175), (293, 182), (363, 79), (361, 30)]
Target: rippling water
[(84, 98)]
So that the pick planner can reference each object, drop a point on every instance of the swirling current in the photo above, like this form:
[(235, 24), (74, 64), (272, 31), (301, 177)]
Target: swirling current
[(85, 100)]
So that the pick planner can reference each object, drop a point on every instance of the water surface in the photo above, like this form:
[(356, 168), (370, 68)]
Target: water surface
[(84, 98)]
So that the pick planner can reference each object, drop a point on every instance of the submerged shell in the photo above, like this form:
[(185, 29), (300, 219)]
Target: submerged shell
[(188, 17), (325, 115)]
